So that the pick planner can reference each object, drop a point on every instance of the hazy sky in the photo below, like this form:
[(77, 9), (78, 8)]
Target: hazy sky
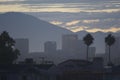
[(75, 15)]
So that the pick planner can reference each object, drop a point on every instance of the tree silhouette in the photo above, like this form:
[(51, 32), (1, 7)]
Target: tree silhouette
[(88, 40), (109, 40), (8, 53)]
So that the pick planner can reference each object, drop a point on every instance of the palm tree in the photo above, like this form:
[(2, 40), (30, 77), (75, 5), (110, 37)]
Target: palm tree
[(88, 40), (109, 40)]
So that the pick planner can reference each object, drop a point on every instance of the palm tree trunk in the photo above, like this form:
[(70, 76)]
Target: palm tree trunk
[(109, 55), (87, 52)]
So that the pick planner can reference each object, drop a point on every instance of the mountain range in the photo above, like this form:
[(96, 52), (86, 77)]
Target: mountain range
[(20, 25)]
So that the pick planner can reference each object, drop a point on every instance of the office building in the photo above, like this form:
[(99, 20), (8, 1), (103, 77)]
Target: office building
[(69, 42), (50, 46), (23, 46)]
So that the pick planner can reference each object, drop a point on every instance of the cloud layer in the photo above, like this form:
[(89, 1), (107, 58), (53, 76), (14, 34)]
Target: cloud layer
[(75, 15)]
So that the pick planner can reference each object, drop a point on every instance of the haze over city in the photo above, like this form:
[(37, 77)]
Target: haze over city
[(77, 15), (59, 39)]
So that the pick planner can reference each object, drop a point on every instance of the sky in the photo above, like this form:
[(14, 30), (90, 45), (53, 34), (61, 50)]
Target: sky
[(74, 15)]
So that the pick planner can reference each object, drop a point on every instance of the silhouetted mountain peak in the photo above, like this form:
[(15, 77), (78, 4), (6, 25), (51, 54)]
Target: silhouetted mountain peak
[(21, 25)]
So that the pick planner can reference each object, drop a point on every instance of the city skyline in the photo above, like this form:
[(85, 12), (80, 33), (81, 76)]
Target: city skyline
[(77, 51), (72, 48)]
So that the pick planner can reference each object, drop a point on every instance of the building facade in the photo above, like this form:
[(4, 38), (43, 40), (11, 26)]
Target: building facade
[(50, 46), (69, 42), (23, 46)]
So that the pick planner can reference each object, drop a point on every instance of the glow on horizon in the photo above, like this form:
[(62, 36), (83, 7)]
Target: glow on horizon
[(56, 22), (20, 8), (112, 29), (57, 7), (72, 23), (85, 28), (78, 28), (72, 26), (90, 21), (12, 8)]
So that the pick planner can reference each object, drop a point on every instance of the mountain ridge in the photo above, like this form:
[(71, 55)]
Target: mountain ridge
[(21, 25)]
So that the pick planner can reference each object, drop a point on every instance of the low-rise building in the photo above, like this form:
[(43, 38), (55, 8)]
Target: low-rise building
[(78, 70)]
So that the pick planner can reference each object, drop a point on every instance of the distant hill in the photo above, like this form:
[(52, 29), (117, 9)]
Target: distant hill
[(20, 25)]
